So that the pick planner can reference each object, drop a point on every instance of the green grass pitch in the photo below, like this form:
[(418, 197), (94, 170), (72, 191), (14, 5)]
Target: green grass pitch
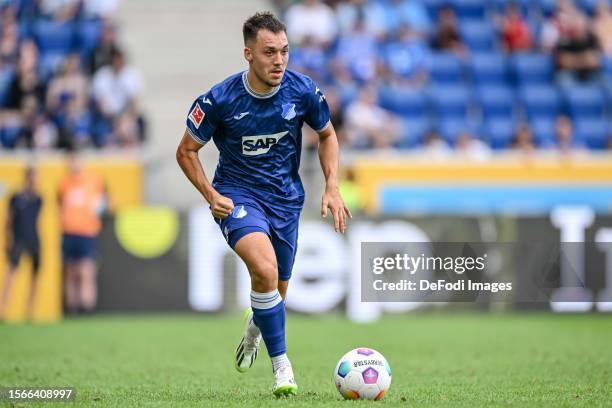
[(465, 360)]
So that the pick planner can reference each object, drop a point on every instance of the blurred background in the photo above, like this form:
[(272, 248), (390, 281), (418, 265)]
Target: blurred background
[(458, 120)]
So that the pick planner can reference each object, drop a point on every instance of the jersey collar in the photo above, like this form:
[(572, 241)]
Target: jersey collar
[(255, 94)]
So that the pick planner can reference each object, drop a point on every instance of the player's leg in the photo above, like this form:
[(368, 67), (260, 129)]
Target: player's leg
[(282, 288), (88, 289), (71, 277), (284, 242), (14, 256), (87, 271), (35, 256), (257, 252)]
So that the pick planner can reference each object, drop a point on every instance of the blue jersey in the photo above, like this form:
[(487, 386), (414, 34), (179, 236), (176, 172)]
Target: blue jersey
[(259, 136)]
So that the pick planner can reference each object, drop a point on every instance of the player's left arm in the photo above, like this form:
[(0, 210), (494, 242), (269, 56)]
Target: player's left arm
[(332, 200)]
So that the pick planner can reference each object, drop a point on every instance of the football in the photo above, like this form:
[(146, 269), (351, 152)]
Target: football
[(363, 373)]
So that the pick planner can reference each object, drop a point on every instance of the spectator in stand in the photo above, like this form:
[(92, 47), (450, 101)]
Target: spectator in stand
[(100, 9), (407, 59), (26, 81), (471, 147), (102, 55), (412, 13), (357, 52), (369, 125), (515, 32), (9, 42), (523, 139), (59, 10), (578, 56), (602, 26), (37, 132), (447, 36), (310, 59), (116, 92), (378, 19), (313, 19), (67, 99), (559, 25), (82, 201), (564, 135), (434, 146), (22, 237)]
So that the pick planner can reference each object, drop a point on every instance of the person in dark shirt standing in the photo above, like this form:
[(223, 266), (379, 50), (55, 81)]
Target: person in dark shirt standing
[(22, 236), (578, 55)]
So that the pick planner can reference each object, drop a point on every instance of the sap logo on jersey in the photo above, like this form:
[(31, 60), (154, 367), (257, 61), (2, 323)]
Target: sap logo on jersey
[(256, 145)]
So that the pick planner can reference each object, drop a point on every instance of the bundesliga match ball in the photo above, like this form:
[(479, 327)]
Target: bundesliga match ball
[(363, 373)]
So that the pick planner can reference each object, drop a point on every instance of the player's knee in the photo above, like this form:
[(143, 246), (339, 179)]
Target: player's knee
[(264, 276)]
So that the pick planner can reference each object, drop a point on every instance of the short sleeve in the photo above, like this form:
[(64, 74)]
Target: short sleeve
[(202, 119), (317, 112)]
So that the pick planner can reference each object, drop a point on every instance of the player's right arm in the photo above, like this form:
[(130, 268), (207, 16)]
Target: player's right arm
[(189, 161)]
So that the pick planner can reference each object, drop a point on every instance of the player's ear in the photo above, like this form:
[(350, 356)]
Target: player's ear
[(248, 55)]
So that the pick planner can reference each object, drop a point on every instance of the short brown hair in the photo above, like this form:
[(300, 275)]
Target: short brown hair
[(261, 20)]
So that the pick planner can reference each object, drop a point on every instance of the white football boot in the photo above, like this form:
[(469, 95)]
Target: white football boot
[(284, 384), (246, 352)]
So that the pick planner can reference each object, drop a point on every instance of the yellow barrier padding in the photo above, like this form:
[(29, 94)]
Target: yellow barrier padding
[(372, 174)]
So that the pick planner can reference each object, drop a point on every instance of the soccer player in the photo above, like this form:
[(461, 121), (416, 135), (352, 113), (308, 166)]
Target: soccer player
[(21, 228), (255, 119)]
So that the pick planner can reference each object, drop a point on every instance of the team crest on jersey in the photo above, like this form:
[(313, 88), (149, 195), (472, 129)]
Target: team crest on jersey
[(256, 145), (239, 212), (196, 116), (288, 111)]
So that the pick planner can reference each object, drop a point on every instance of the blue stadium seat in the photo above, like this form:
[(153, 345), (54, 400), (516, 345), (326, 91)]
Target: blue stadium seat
[(9, 136), (54, 37), (7, 74), (593, 132), (478, 35), (532, 68), (433, 6), (88, 36), (348, 94), (543, 131), (540, 100), (407, 102), (446, 68), (474, 9), (499, 131), (451, 128), (451, 101), (547, 7), (496, 100), (499, 6), (585, 101), (607, 67), (414, 129), (489, 68), (588, 6)]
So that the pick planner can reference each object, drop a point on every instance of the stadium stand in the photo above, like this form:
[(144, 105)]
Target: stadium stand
[(493, 66), (50, 54)]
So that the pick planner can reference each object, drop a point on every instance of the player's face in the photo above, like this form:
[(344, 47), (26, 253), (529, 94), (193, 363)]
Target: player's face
[(268, 56)]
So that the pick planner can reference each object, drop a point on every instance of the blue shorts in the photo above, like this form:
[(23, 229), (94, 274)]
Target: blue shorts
[(77, 247), (249, 216)]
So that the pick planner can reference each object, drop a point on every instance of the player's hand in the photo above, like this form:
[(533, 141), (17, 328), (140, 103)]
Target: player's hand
[(333, 201), (221, 206)]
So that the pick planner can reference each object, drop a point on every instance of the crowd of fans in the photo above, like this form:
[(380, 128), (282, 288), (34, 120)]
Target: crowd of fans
[(65, 82), (470, 75)]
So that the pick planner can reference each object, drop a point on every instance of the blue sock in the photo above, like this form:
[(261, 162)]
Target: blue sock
[(269, 316)]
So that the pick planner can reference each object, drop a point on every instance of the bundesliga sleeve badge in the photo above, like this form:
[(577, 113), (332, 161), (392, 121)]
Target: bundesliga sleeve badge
[(196, 116)]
